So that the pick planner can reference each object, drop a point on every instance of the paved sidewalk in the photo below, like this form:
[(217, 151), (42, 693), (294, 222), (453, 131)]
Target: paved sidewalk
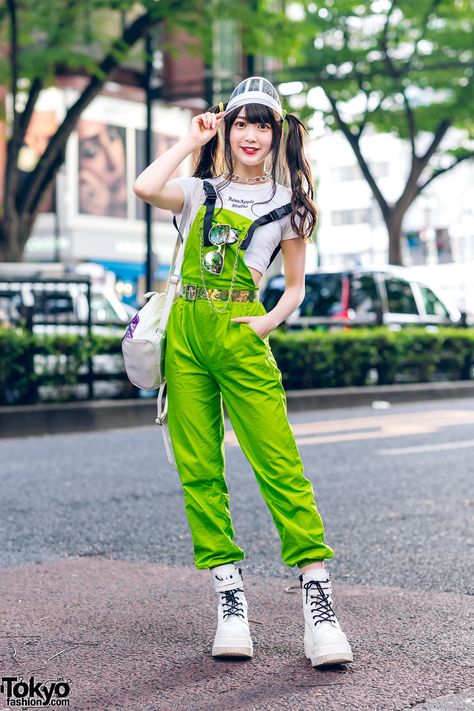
[(133, 636), (83, 416)]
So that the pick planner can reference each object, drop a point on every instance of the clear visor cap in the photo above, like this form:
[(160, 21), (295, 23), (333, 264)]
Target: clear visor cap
[(255, 90)]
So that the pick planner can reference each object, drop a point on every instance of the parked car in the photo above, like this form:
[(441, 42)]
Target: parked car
[(365, 296), (62, 307)]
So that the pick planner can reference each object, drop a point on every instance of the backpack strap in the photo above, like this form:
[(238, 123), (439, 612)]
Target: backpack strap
[(175, 223)]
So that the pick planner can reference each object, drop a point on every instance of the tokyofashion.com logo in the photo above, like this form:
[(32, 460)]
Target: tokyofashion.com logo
[(26, 693)]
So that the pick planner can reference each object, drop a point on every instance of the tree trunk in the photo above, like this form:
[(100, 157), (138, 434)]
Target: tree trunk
[(14, 234), (21, 203), (10, 249), (394, 228)]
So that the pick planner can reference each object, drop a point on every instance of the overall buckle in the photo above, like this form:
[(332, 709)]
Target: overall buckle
[(191, 292)]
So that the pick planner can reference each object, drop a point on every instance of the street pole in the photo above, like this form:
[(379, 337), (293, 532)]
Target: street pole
[(57, 229), (150, 261)]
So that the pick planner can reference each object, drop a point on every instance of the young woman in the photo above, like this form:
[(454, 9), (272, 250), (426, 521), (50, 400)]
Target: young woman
[(218, 349)]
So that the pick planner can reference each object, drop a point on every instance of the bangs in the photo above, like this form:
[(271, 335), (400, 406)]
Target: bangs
[(256, 113)]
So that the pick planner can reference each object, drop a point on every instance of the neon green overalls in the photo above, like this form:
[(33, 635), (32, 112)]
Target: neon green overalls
[(210, 360)]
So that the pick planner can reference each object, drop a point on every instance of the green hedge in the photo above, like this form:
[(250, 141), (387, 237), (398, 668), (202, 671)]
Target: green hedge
[(28, 361), (321, 359), (307, 358)]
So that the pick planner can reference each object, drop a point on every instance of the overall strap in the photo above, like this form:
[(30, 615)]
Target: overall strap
[(275, 252), (211, 197), (272, 216), (284, 210)]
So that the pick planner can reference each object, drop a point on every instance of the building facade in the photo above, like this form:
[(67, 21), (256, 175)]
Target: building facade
[(438, 229), (92, 213)]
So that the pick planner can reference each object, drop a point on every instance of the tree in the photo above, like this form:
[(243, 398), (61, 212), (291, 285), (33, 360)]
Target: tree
[(410, 66), (40, 37)]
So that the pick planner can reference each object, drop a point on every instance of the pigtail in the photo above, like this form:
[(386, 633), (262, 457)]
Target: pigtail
[(301, 179), (215, 158), (208, 163)]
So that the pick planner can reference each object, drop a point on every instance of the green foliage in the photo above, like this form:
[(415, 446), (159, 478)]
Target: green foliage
[(17, 376), (307, 358), (91, 37), (318, 359), (30, 361), (77, 35), (58, 358), (386, 53)]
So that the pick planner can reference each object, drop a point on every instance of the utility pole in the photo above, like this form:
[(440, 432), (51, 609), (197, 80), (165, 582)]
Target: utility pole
[(150, 257)]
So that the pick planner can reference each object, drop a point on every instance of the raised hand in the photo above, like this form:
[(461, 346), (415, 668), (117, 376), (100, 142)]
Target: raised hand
[(205, 126)]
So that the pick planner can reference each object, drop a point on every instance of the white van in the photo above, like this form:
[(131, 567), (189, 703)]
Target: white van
[(58, 297)]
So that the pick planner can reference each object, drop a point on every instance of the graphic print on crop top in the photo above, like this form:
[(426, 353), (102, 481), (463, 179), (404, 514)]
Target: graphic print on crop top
[(247, 200)]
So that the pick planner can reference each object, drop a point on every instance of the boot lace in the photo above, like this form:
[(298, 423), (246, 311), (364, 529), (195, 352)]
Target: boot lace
[(323, 611), (231, 605)]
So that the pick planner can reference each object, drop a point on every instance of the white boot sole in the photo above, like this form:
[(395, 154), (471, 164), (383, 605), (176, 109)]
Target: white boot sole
[(330, 654), (238, 648), (233, 651)]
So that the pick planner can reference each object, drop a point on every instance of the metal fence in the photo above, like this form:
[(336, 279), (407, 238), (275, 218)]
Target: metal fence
[(56, 306)]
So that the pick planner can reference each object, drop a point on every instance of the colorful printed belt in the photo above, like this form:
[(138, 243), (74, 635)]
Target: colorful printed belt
[(191, 292)]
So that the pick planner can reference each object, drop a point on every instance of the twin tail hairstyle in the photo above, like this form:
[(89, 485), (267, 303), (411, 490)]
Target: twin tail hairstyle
[(287, 158)]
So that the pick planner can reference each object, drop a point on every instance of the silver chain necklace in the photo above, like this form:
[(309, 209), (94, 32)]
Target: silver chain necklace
[(257, 179), (234, 274)]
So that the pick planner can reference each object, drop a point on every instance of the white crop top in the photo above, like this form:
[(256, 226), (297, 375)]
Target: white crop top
[(241, 198)]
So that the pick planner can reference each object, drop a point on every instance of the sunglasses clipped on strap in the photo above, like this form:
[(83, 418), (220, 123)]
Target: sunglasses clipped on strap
[(219, 235)]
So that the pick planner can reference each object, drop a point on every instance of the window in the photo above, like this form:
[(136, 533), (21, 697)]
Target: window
[(349, 217), (443, 246), (346, 173), (102, 309), (226, 57), (400, 297), (364, 297), (51, 305), (380, 170), (323, 295), (417, 248), (432, 304)]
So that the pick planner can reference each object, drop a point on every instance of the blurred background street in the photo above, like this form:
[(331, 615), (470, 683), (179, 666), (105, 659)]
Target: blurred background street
[(385, 92), (97, 583), (97, 563), (398, 512)]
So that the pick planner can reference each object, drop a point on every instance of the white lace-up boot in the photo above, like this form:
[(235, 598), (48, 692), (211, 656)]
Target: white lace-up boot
[(233, 635), (324, 640)]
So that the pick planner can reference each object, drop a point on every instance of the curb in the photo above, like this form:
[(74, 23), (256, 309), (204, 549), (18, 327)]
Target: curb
[(84, 416)]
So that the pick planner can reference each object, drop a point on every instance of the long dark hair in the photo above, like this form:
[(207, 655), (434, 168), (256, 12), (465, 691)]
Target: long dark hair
[(287, 155)]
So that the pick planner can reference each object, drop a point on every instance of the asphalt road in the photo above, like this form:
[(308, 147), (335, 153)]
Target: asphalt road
[(98, 584), (394, 488)]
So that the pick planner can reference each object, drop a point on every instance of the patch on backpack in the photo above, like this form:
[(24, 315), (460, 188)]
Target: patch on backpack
[(132, 326)]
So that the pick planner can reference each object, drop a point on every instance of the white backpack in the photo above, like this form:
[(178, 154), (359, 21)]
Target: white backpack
[(143, 345), (144, 341)]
